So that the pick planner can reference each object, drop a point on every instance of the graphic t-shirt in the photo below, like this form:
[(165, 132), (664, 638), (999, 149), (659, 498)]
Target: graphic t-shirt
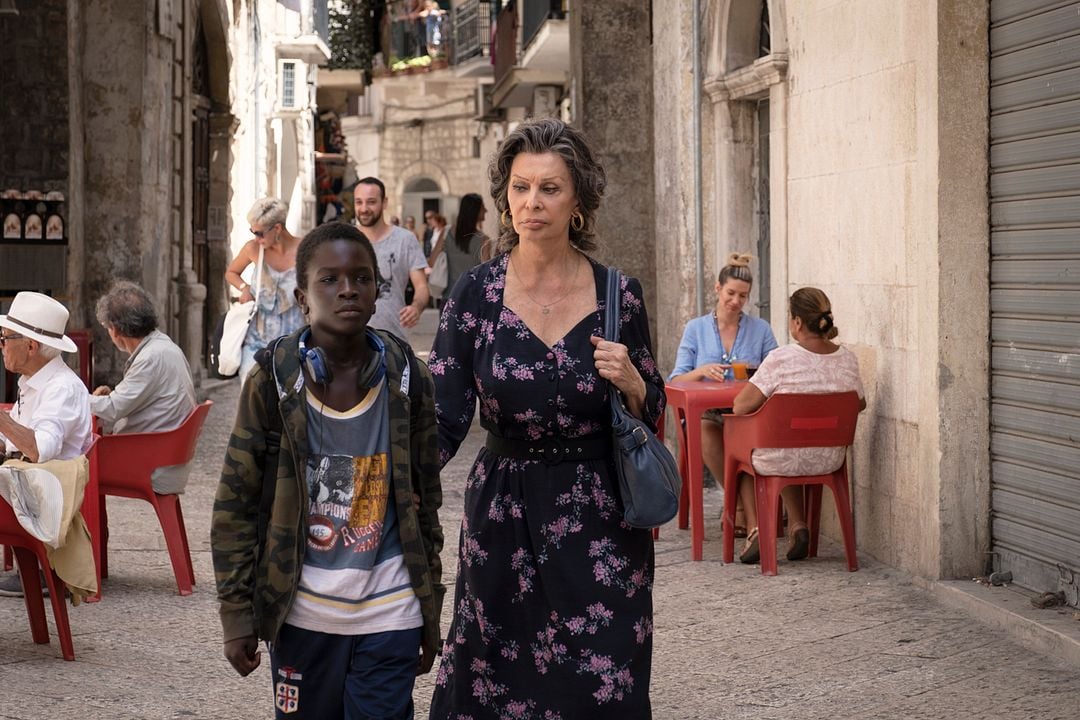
[(398, 254), (354, 580)]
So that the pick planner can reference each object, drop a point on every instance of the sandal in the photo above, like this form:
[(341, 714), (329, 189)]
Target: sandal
[(750, 553), (799, 543), (740, 522)]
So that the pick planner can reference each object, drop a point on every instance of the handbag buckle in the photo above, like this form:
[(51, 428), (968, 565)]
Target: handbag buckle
[(640, 436)]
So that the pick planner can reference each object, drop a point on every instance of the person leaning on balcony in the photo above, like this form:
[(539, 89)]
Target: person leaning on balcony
[(277, 313), (156, 393), (712, 342), (812, 364)]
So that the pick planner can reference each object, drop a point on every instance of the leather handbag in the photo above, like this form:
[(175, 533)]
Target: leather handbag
[(226, 347), (649, 479)]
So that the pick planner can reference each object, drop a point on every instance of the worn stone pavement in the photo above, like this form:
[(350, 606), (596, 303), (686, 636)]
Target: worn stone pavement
[(814, 642)]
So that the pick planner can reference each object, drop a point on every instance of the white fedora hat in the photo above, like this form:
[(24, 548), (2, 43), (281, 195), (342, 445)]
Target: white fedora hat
[(40, 318)]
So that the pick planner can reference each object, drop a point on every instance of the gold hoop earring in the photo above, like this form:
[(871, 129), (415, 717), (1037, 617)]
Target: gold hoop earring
[(505, 218), (577, 221)]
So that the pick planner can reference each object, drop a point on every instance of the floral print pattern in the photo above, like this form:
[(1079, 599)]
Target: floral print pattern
[(553, 601)]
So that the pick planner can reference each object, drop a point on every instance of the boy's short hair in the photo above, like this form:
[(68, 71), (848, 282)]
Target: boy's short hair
[(328, 232)]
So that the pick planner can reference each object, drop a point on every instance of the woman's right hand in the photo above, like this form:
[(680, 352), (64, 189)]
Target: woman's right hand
[(246, 295), (713, 371)]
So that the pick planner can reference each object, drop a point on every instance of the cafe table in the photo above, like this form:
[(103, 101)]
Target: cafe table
[(689, 399)]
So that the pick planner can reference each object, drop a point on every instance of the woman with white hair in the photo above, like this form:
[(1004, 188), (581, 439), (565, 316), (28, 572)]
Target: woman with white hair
[(277, 313)]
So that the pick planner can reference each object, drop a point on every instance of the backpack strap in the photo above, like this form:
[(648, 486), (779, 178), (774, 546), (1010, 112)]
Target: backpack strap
[(271, 395)]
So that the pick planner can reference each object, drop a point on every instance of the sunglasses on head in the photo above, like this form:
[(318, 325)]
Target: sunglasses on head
[(12, 336)]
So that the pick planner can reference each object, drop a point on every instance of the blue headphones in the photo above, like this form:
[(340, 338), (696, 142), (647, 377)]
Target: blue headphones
[(314, 360)]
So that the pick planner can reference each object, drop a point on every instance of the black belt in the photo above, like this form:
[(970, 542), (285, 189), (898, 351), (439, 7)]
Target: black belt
[(552, 450)]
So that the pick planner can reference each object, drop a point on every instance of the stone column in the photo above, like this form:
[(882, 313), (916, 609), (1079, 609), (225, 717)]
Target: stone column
[(192, 297), (612, 73)]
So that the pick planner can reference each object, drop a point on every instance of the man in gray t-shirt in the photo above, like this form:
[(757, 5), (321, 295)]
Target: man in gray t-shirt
[(400, 260)]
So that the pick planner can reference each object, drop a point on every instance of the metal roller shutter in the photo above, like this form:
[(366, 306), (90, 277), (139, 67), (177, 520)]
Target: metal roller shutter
[(1035, 291)]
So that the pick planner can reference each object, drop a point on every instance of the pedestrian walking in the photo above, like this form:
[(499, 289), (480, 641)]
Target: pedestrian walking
[(325, 533), (553, 600)]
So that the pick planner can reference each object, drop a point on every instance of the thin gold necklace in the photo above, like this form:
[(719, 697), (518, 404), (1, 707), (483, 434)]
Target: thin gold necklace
[(544, 309)]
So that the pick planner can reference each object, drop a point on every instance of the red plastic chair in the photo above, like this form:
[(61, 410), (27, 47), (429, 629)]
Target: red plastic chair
[(32, 557), (790, 421), (125, 464), (84, 341)]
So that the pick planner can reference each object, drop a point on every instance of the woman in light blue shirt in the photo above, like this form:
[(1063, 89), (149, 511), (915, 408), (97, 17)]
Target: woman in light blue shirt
[(711, 343)]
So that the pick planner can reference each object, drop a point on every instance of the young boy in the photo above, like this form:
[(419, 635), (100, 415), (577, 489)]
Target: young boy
[(328, 547)]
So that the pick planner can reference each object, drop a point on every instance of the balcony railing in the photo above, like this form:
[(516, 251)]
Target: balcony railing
[(471, 30), (534, 13)]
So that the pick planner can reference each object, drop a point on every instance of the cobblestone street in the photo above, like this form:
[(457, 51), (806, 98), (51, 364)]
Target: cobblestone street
[(814, 642)]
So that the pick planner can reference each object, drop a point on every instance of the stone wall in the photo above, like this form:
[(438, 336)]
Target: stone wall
[(673, 228), (34, 88), (428, 130), (130, 183)]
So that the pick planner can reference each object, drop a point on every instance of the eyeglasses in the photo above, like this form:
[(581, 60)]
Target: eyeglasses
[(261, 233), (12, 336)]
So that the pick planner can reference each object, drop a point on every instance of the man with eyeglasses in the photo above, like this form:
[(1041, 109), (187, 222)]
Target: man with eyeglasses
[(51, 418)]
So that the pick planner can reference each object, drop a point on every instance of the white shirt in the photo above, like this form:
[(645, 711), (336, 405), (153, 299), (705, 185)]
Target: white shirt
[(54, 404)]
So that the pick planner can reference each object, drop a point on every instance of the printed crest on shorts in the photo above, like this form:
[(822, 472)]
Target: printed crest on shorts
[(287, 697), (289, 673)]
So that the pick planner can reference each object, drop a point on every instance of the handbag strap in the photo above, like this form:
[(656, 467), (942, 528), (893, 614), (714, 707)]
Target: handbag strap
[(612, 310), (613, 306), (258, 274)]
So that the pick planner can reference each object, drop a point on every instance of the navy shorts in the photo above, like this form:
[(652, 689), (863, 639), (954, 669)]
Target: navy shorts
[(355, 677)]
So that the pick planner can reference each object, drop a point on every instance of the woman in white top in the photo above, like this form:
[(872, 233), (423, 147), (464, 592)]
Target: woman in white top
[(813, 364)]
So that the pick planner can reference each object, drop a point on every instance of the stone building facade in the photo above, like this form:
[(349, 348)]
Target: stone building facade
[(160, 121), (912, 161), (420, 136)]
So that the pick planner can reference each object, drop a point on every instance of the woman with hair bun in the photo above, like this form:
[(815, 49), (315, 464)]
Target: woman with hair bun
[(812, 364), (711, 343)]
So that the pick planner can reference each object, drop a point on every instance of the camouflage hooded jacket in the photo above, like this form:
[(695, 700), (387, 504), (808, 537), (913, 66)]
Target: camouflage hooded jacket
[(257, 563)]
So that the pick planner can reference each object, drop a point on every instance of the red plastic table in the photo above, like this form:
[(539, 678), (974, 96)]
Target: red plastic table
[(689, 399)]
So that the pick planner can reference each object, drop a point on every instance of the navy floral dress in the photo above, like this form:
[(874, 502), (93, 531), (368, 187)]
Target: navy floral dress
[(553, 600)]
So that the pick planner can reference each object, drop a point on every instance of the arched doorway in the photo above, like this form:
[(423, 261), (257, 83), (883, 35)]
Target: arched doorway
[(421, 195), (212, 129)]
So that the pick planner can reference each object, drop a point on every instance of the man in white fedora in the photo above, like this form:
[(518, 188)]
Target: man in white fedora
[(51, 417)]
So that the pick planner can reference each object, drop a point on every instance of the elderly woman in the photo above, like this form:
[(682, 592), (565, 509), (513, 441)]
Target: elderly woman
[(712, 343), (812, 364), (553, 600), (277, 313)]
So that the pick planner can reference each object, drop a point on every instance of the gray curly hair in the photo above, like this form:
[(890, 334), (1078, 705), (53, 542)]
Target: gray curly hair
[(549, 135)]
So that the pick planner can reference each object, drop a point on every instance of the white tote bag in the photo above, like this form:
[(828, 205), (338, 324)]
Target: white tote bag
[(439, 277), (235, 327)]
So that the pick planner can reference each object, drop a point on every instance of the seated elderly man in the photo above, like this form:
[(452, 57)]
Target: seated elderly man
[(156, 392), (51, 417)]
